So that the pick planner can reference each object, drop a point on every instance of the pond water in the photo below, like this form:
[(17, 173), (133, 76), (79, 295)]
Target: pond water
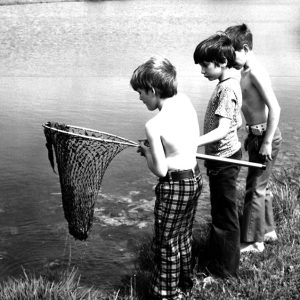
[(71, 62)]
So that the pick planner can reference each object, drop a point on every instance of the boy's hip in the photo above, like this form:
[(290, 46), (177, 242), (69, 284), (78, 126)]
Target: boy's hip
[(181, 175), (218, 166), (255, 141), (226, 148), (172, 192), (257, 129), (260, 130)]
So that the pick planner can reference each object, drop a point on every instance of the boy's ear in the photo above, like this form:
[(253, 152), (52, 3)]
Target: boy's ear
[(246, 48), (153, 90)]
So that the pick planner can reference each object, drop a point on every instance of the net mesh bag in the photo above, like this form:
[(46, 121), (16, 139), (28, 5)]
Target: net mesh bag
[(82, 156)]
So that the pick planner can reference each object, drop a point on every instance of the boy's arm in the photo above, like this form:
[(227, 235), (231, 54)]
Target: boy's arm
[(155, 154), (216, 134), (263, 84)]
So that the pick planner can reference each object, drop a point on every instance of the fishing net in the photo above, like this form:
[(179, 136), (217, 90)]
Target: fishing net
[(82, 157)]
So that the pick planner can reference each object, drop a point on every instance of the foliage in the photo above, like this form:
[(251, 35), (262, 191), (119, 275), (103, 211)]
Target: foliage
[(30, 287)]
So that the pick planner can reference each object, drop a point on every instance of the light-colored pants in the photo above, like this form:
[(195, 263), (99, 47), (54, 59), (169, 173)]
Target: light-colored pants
[(257, 216)]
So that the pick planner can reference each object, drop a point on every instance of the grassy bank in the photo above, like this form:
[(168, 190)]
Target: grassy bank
[(273, 274)]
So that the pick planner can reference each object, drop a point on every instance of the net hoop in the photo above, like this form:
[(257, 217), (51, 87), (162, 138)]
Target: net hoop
[(122, 140), (82, 156)]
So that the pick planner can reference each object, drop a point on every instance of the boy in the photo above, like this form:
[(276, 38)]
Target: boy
[(216, 56), (262, 112), (171, 156)]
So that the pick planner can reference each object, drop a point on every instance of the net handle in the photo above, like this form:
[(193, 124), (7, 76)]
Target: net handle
[(134, 144), (238, 162), (242, 163), (126, 141)]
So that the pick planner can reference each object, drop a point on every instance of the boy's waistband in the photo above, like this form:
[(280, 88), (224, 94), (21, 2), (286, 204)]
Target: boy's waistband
[(180, 175), (258, 129)]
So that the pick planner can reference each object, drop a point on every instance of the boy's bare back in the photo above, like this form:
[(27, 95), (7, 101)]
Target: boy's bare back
[(176, 127)]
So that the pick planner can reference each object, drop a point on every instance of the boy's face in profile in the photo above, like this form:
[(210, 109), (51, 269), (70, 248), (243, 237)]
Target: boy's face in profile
[(148, 98), (211, 70)]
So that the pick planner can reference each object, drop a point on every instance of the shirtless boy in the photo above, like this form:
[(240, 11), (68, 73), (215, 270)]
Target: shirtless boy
[(262, 112), (172, 135)]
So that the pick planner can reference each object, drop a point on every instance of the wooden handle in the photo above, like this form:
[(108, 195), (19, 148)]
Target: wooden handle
[(230, 160)]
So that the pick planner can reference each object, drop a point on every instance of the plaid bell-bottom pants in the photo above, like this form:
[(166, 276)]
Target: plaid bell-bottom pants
[(175, 208)]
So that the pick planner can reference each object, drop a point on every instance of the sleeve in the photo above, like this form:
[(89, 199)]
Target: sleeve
[(227, 103)]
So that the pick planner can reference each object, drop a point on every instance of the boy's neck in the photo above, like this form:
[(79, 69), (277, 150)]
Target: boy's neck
[(250, 60), (162, 102), (225, 75)]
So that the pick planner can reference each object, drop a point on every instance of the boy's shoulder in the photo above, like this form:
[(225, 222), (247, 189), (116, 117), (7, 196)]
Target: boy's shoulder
[(256, 72), (153, 121), (178, 107), (177, 102), (179, 97), (154, 125), (230, 85), (227, 91)]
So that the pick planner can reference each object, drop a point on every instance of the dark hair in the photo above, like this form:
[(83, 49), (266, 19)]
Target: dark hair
[(157, 73), (217, 49), (240, 35)]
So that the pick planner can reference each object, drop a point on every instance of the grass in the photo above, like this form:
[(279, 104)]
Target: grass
[(30, 287), (273, 274)]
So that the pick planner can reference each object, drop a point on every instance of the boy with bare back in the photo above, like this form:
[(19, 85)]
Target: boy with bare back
[(171, 155), (262, 112)]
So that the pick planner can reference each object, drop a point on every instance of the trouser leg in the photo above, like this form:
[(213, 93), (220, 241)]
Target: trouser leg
[(174, 210), (224, 245), (185, 243), (258, 210)]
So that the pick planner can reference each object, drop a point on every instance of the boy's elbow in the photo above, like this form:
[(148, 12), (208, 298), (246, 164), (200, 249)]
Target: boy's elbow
[(160, 171), (279, 110), (163, 171)]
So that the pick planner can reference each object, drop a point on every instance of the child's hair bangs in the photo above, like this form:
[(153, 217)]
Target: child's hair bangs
[(217, 49), (208, 54), (157, 73), (139, 80), (201, 54)]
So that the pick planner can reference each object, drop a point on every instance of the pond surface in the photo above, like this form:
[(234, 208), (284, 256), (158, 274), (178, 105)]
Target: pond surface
[(71, 63)]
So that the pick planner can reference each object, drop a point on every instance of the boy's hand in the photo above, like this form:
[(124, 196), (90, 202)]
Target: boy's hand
[(145, 142), (143, 147), (266, 151)]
